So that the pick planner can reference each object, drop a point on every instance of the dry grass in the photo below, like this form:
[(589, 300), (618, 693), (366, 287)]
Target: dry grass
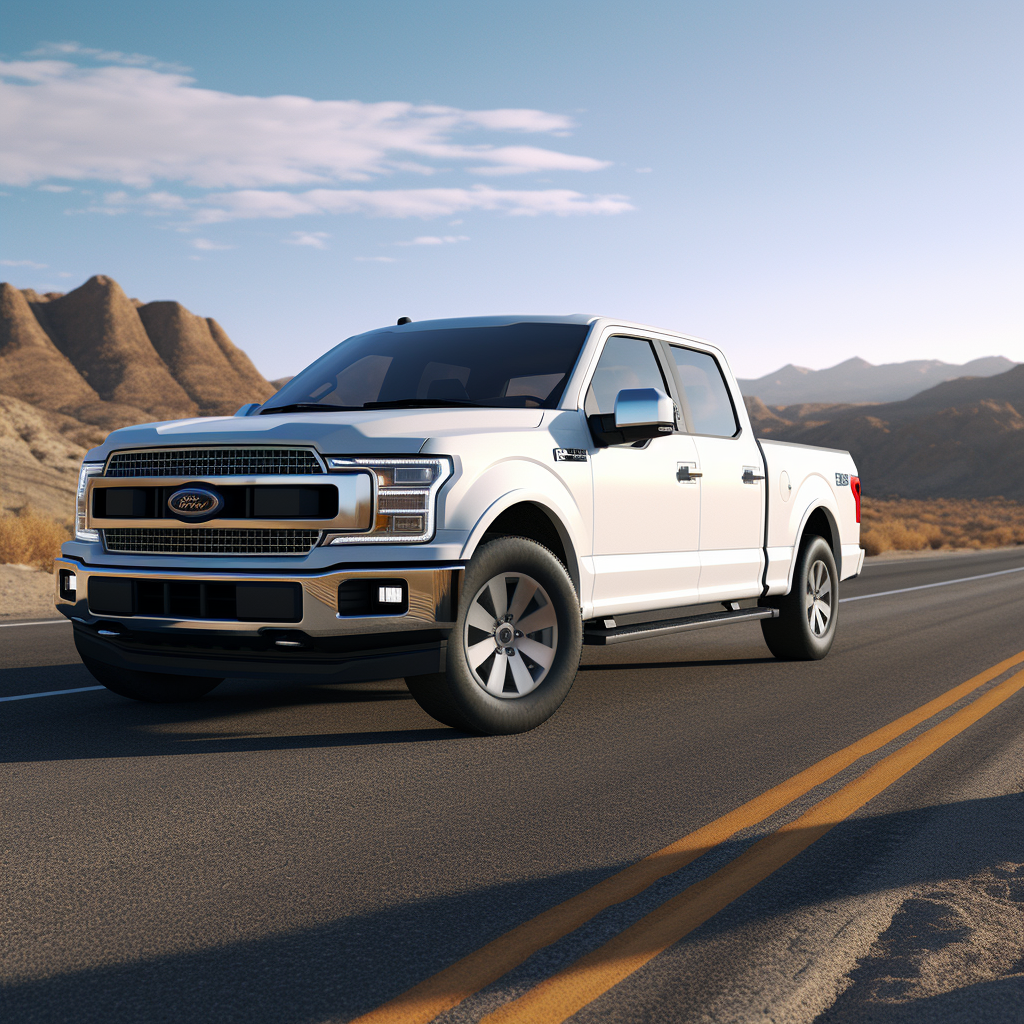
[(30, 539), (902, 524)]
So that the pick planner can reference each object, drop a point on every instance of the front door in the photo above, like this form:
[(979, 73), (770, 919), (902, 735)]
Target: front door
[(646, 498)]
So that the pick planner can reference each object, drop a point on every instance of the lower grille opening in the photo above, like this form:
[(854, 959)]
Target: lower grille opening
[(181, 599), (158, 541)]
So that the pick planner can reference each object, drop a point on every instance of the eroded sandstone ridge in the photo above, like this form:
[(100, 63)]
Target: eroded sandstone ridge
[(74, 367)]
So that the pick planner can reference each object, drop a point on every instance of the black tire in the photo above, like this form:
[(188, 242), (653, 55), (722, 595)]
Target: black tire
[(522, 694), (800, 632), (151, 687)]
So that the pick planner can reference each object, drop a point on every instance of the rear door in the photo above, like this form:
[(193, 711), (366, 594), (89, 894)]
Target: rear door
[(646, 500), (732, 485)]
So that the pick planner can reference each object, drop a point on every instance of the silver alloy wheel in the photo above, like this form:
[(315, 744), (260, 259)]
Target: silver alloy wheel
[(511, 635), (819, 598)]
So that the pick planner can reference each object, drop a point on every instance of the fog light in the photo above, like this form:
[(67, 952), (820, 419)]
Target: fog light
[(68, 585), (389, 595)]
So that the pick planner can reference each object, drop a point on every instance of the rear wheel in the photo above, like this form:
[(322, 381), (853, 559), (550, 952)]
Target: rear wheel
[(151, 687), (516, 645), (806, 626)]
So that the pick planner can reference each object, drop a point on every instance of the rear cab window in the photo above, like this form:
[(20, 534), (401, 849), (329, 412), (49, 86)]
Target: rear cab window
[(709, 404)]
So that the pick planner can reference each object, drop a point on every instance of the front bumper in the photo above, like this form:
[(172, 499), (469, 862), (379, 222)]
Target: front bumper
[(321, 643)]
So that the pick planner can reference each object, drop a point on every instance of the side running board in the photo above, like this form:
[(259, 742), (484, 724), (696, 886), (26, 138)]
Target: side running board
[(600, 636)]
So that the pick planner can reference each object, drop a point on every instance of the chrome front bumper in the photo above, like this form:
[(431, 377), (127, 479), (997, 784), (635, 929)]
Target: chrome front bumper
[(433, 600)]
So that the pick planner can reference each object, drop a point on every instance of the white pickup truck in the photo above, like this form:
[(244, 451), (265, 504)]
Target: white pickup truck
[(463, 503)]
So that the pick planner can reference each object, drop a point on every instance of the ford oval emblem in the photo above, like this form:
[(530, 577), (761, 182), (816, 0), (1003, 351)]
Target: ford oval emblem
[(195, 502)]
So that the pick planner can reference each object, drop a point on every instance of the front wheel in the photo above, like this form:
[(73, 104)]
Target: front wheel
[(151, 687), (806, 626), (516, 645)]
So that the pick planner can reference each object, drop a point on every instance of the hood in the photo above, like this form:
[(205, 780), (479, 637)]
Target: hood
[(373, 432)]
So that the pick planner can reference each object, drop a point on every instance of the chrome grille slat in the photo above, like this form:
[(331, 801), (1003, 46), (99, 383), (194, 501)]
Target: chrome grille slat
[(213, 462), (172, 541)]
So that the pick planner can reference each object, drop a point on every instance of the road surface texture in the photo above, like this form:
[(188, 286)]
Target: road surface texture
[(702, 833)]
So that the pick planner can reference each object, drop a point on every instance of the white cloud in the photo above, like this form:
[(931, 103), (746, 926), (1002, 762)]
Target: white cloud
[(435, 240), (55, 188), (23, 263), (644, 170), (425, 202), (375, 259), (206, 245), (314, 239), (138, 60), (132, 123)]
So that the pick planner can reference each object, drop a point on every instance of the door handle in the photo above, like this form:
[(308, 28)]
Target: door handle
[(750, 477), (684, 474)]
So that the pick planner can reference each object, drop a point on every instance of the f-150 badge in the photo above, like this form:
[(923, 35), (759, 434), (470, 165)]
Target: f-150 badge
[(570, 455)]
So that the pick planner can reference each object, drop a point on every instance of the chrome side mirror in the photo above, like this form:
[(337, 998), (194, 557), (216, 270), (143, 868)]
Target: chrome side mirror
[(643, 413), (640, 414)]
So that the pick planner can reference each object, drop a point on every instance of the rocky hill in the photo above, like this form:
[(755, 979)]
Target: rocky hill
[(74, 367), (857, 380), (961, 439)]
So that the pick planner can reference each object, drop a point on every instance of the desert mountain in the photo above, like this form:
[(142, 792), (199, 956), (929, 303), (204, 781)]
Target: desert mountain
[(74, 367), (857, 380), (961, 439)]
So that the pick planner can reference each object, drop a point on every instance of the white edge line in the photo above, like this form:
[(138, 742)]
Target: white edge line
[(928, 586), (52, 693), (39, 622)]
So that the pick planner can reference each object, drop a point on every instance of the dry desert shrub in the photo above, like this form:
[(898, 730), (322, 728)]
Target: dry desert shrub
[(904, 524), (30, 539)]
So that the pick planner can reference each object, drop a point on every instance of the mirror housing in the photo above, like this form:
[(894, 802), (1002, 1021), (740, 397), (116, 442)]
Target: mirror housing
[(641, 414), (249, 409)]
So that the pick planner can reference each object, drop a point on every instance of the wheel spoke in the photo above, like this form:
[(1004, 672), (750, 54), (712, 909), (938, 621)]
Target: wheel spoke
[(539, 653), (542, 618), (496, 680), (479, 653), (521, 675), (525, 589), (480, 617), (826, 586), (499, 596)]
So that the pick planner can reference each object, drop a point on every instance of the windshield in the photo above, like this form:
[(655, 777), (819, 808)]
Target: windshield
[(521, 365)]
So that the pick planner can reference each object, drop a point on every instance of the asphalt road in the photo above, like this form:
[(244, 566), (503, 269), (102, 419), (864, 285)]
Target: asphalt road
[(301, 854)]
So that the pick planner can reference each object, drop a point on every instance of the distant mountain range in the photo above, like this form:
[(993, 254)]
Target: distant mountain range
[(74, 367), (961, 439), (857, 380)]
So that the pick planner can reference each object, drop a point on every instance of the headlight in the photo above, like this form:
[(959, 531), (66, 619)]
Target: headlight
[(88, 469), (406, 498)]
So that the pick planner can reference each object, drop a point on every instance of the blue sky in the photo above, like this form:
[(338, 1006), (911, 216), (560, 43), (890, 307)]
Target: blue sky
[(797, 182)]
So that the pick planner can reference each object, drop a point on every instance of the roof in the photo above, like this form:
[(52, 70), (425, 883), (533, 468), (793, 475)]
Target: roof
[(486, 321)]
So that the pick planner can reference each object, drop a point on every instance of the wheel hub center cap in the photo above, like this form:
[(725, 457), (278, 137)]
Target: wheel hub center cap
[(504, 635)]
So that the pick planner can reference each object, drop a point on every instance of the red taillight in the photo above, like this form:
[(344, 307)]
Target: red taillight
[(855, 487)]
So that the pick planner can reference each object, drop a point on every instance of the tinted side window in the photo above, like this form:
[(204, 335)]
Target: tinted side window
[(624, 363), (706, 393)]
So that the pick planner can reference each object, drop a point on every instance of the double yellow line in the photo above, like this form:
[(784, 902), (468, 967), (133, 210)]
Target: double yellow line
[(572, 988)]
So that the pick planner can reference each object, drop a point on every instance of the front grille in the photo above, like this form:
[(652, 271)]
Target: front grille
[(204, 462), (211, 541)]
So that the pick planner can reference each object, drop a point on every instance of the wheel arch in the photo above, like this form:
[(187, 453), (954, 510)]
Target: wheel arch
[(819, 521), (522, 515)]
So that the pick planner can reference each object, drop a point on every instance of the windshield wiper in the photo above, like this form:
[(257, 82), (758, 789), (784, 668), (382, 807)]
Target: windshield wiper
[(309, 407), (424, 403)]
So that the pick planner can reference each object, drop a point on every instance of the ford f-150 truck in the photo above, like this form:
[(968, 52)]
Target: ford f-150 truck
[(463, 503)]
